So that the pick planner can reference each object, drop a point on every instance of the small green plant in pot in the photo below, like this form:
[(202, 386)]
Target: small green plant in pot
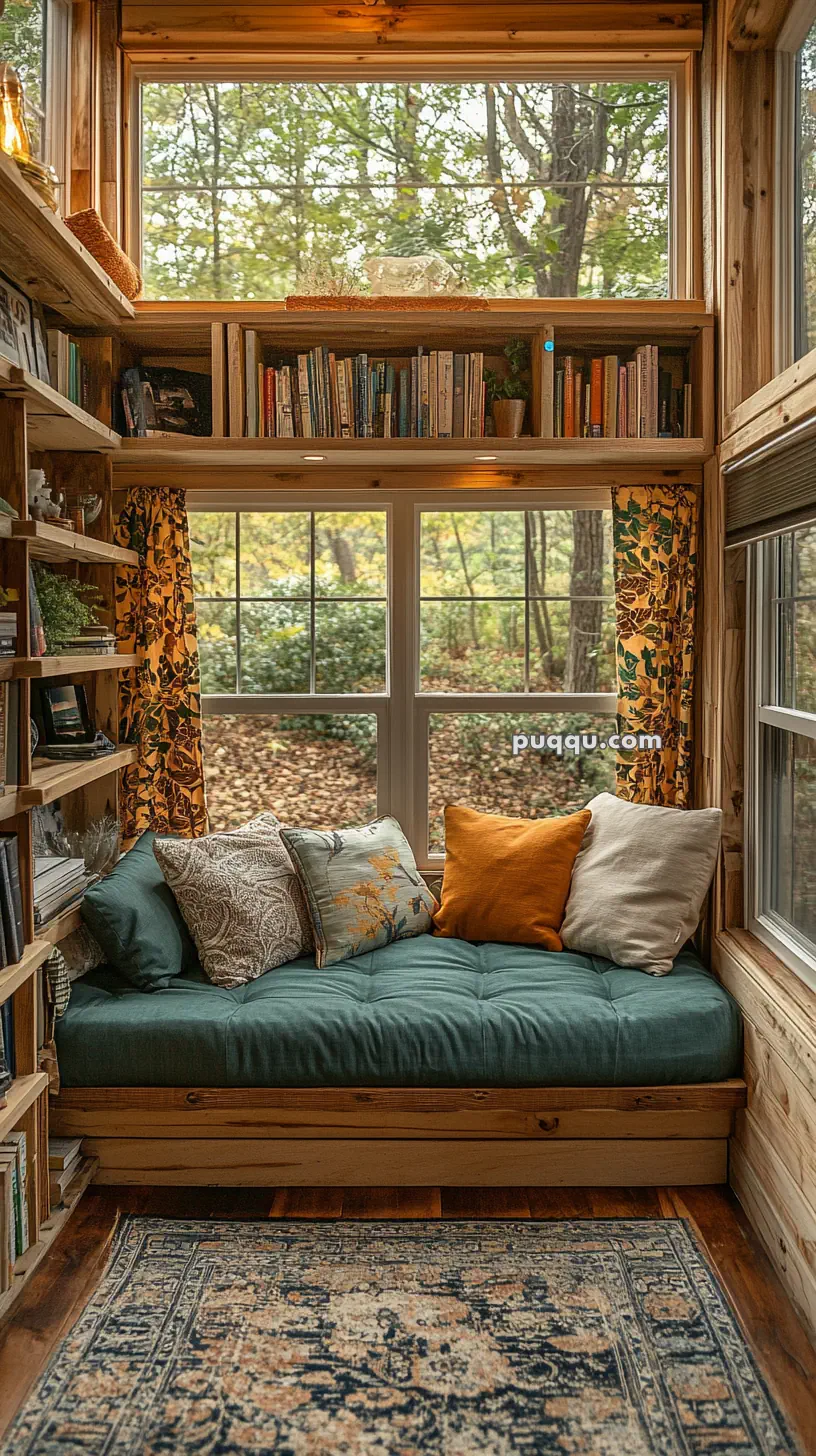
[(507, 394), (66, 606)]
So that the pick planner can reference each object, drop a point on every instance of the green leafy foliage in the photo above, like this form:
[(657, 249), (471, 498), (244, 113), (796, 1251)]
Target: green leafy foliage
[(66, 606), (533, 188)]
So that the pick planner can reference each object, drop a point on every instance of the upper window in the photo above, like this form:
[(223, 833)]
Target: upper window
[(531, 188), (805, 236)]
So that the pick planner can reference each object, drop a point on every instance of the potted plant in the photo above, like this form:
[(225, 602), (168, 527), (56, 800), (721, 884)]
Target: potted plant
[(507, 394)]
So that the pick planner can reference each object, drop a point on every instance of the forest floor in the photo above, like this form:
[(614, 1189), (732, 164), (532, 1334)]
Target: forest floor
[(318, 782)]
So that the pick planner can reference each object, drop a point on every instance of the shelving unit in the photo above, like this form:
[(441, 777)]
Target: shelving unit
[(39, 426), (53, 421), (42, 256), (194, 334), (48, 1231)]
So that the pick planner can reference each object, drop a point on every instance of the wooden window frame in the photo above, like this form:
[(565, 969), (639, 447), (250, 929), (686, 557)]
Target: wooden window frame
[(761, 658), (792, 36), (680, 70), (403, 711)]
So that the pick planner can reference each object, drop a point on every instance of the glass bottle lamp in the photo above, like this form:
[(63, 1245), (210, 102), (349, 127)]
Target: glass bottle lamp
[(15, 140)]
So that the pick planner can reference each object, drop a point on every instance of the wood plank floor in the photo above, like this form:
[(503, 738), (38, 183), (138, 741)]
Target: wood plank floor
[(57, 1292)]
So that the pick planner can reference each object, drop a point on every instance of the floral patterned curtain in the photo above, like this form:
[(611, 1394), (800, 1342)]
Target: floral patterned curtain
[(655, 555), (160, 699)]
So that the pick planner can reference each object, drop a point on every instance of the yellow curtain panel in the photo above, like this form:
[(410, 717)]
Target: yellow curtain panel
[(655, 555), (160, 700)]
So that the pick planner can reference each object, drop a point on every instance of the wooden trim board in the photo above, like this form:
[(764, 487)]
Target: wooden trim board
[(356, 1162), (404, 1136)]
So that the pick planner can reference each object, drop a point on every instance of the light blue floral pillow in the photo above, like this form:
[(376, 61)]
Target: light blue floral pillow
[(362, 888)]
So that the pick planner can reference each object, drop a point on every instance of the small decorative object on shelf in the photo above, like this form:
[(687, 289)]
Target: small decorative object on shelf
[(165, 401), (88, 227), (65, 606), (17, 333), (508, 394), (15, 140), (68, 731), (425, 274), (41, 505)]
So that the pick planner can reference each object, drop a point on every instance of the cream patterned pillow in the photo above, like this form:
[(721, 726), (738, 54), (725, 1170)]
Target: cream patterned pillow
[(240, 898)]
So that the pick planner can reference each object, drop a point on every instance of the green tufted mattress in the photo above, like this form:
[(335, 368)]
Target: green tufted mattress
[(427, 1012)]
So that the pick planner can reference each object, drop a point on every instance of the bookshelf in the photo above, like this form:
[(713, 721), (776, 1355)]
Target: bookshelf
[(40, 427), (201, 338)]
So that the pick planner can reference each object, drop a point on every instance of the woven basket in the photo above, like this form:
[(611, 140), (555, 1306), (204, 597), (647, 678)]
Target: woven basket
[(381, 303), (89, 228)]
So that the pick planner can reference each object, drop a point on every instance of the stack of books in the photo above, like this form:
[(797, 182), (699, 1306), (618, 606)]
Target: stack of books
[(434, 395), (8, 634), (12, 938), (608, 398), (59, 883), (14, 1234), (93, 641), (64, 1158)]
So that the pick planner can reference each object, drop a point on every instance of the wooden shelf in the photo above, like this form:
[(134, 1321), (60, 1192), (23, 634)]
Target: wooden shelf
[(53, 543), (190, 451), (45, 260), (61, 925), (49, 780), (21, 1094), (166, 327), (9, 804), (53, 421), (13, 977), (28, 1262), (73, 665)]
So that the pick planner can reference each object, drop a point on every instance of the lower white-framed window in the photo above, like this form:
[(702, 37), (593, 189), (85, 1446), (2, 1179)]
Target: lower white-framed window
[(390, 655), (781, 882)]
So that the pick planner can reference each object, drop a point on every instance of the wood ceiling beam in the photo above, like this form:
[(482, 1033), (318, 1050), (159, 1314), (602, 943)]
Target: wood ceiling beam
[(394, 28), (754, 25)]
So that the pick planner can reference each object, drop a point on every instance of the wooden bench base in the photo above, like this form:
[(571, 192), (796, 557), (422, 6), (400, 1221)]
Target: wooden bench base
[(454, 1137)]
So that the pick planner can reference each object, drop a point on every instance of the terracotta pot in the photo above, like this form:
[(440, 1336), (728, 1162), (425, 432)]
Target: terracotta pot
[(508, 416)]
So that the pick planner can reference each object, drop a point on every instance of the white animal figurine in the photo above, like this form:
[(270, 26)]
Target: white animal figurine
[(40, 505), (422, 276)]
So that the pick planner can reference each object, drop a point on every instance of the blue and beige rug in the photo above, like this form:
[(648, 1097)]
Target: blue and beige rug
[(402, 1339)]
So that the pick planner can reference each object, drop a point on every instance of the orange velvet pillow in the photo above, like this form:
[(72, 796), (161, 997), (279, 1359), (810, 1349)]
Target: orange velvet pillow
[(507, 879)]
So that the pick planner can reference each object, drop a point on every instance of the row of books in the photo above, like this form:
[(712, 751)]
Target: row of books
[(64, 1159), (59, 883), (12, 938), (434, 395), (164, 401), (69, 372), (607, 398), (14, 1231), (91, 641)]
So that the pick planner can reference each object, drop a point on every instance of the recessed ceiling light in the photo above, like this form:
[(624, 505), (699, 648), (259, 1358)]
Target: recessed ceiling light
[(314, 457), (485, 457)]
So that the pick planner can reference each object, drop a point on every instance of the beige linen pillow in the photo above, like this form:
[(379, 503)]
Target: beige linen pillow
[(639, 882), (240, 898)]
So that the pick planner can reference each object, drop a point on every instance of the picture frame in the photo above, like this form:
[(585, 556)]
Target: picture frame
[(66, 718), (17, 343), (43, 369)]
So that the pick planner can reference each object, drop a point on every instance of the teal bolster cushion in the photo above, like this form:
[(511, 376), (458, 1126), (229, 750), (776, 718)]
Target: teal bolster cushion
[(134, 916)]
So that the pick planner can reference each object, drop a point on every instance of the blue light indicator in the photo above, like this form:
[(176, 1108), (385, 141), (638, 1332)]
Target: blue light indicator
[(549, 346)]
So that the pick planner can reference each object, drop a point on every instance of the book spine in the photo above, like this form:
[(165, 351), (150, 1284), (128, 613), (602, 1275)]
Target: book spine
[(596, 393), (388, 403), (424, 397), (445, 394), (458, 396), (578, 403), (12, 909), (404, 403), (558, 412), (303, 395), (610, 396), (569, 398), (622, 414)]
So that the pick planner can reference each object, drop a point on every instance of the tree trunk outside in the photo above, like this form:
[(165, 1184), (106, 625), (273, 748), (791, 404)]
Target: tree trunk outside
[(586, 608)]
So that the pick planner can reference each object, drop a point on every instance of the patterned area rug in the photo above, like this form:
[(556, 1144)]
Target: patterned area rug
[(395, 1339)]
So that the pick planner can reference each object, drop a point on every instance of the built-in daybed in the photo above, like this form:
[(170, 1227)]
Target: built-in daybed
[(431, 1061)]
